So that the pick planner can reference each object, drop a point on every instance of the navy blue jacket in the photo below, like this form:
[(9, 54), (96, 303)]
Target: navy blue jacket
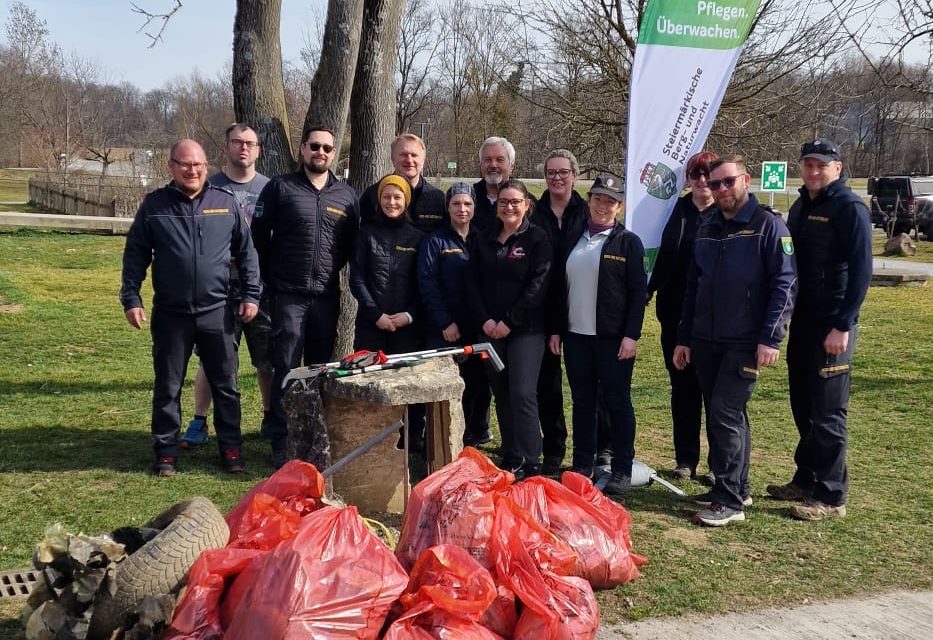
[(443, 264), (832, 236), (743, 281), (427, 208), (189, 243), (304, 237), (508, 281)]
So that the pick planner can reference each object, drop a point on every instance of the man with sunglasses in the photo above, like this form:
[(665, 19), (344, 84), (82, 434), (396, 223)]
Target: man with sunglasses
[(832, 233), (739, 297), (304, 226), (188, 231)]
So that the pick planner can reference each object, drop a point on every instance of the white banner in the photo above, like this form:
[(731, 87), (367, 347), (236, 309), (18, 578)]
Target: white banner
[(686, 53)]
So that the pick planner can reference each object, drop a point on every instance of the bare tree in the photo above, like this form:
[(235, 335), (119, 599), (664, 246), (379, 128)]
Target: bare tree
[(415, 54)]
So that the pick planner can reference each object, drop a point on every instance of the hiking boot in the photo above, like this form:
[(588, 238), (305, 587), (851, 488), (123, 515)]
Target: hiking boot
[(164, 466), (195, 435), (684, 472), (816, 510), (279, 458), (706, 500), (718, 515), (232, 462), (789, 491), (619, 484)]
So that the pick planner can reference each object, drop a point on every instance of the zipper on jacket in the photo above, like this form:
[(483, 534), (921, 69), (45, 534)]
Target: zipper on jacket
[(315, 257)]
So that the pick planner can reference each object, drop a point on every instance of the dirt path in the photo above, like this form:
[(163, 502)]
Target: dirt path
[(902, 615)]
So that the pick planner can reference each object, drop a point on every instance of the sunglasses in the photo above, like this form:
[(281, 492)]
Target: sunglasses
[(696, 174), (727, 182), (317, 146)]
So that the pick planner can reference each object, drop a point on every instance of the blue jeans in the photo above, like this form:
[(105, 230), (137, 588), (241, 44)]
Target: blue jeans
[(593, 366)]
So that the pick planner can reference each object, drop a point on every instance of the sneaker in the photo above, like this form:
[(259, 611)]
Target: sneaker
[(789, 491), (718, 515), (232, 462), (684, 472), (279, 458), (531, 470), (816, 510), (164, 466), (195, 435), (474, 440), (706, 500), (618, 485)]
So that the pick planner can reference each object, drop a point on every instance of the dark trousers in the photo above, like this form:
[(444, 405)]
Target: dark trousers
[(301, 326), (594, 370), (727, 376), (819, 400), (686, 402), (173, 338), (515, 390), (551, 408)]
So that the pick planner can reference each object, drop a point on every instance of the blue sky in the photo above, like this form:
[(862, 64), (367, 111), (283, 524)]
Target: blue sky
[(199, 36)]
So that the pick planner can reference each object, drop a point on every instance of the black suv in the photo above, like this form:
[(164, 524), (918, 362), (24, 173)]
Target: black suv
[(902, 203)]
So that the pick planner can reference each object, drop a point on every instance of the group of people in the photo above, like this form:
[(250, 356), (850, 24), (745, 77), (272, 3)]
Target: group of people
[(538, 278)]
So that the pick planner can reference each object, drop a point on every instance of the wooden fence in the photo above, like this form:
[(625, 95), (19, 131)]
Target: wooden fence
[(112, 201)]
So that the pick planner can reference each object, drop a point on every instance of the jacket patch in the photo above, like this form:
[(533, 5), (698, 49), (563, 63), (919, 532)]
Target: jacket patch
[(818, 219), (616, 258), (336, 212), (836, 368), (787, 245), (445, 252), (214, 212), (257, 210), (743, 232), (399, 247), (516, 253), (429, 216)]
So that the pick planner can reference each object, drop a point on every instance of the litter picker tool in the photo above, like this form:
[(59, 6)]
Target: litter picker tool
[(642, 476)]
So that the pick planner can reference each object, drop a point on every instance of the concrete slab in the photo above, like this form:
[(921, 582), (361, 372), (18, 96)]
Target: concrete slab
[(78, 224), (901, 615)]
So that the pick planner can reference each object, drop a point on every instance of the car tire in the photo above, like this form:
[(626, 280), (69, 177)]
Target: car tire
[(161, 565)]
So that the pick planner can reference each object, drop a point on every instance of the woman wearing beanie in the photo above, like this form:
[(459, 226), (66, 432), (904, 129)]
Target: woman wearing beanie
[(382, 275), (443, 262), (601, 286)]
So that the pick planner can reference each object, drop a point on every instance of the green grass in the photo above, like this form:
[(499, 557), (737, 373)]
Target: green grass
[(75, 447), (924, 249)]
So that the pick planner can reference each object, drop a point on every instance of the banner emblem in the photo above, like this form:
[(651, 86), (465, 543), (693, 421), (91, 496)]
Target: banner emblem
[(659, 179)]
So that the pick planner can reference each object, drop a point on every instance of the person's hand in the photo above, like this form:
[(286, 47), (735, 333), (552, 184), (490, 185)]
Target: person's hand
[(248, 311), (451, 333), (489, 328), (554, 345), (767, 355), (136, 317), (400, 320), (502, 330), (681, 357), (384, 322), (627, 349), (836, 342)]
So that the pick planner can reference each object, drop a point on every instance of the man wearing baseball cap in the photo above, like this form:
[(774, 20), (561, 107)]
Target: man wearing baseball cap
[(831, 229)]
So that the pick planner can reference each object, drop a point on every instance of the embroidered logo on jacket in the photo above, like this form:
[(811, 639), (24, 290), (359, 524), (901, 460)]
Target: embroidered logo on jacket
[(616, 258), (445, 252), (818, 219), (215, 212), (336, 212), (399, 247), (787, 245), (516, 253)]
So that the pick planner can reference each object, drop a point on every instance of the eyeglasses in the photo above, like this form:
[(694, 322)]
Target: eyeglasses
[(510, 203), (317, 146), (189, 166), (557, 173), (696, 174), (249, 144), (728, 182)]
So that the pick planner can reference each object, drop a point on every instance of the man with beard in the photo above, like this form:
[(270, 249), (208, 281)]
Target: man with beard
[(239, 176), (496, 161), (304, 228), (739, 298)]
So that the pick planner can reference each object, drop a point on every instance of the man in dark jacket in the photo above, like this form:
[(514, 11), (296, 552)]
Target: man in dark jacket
[(304, 227), (496, 162), (426, 210), (739, 297), (188, 231), (832, 234)]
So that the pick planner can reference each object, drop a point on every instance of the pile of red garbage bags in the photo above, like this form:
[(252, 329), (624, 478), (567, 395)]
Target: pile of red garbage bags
[(479, 558)]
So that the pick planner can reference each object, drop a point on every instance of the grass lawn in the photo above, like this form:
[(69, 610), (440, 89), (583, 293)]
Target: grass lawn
[(74, 415), (924, 249)]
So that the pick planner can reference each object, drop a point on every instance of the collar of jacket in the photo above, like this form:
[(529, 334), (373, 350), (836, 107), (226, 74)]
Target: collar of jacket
[(828, 191), (331, 178), (522, 228), (574, 205), (745, 213), (174, 190)]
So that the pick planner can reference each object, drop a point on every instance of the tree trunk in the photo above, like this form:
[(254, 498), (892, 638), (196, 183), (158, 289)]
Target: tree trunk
[(333, 80), (258, 87)]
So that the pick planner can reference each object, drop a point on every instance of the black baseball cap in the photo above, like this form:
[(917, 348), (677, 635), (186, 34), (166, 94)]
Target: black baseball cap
[(608, 185), (822, 149)]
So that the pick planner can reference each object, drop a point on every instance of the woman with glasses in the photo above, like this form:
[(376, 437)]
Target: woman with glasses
[(601, 282), (669, 280), (506, 290)]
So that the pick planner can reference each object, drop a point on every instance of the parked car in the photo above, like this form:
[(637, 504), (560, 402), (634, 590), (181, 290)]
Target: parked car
[(902, 203)]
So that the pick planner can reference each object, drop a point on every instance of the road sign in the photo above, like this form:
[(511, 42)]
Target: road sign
[(773, 176), (451, 165)]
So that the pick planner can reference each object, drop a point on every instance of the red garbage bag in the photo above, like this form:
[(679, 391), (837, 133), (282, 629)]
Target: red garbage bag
[(198, 614), (454, 505), (601, 544), (618, 517), (501, 615), (448, 578), (298, 487), (555, 607), (427, 623), (333, 579)]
